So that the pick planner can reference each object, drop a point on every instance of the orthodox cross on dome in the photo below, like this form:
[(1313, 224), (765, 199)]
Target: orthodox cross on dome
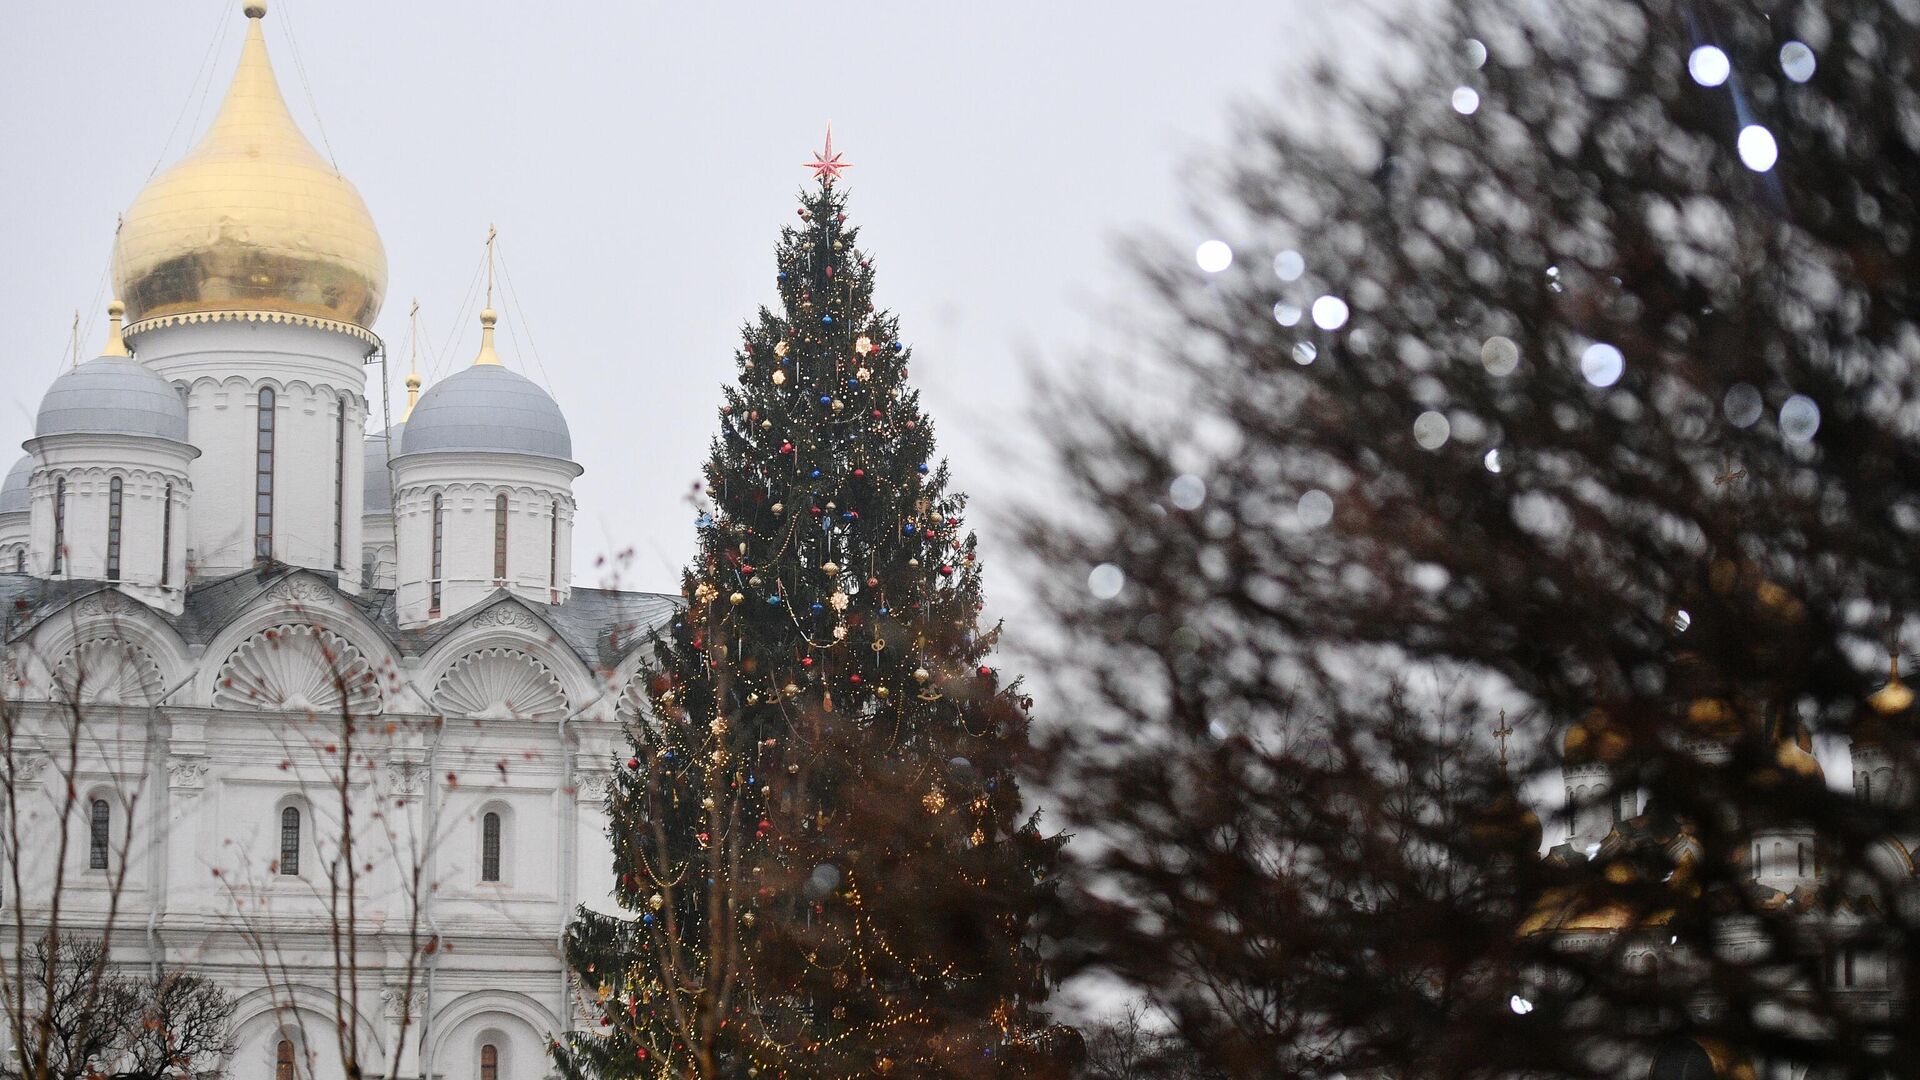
[(826, 164), (1501, 734)]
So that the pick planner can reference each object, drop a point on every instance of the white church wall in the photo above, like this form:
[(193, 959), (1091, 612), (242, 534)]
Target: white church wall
[(469, 485), (223, 366), (83, 470)]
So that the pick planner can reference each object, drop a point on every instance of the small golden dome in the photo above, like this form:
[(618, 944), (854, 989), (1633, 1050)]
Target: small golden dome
[(1793, 758), (251, 220), (1592, 738), (1894, 697)]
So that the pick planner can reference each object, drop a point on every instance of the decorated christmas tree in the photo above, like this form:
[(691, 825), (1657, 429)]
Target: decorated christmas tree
[(818, 835)]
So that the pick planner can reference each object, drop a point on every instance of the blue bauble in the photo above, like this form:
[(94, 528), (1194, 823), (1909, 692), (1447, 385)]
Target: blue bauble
[(853, 382), (827, 319), (647, 918), (815, 474), (826, 399), (923, 468), (883, 611), (818, 607), (898, 346), (783, 275), (909, 528), (774, 600)]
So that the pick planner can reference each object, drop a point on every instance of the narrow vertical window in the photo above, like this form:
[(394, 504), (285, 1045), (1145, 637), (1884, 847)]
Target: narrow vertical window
[(116, 489), (263, 480), (490, 847), (290, 840), (433, 608), (489, 1062), (97, 836), (553, 557), (59, 524), (1846, 956), (20, 567), (283, 1061), (500, 538), (166, 537), (340, 488)]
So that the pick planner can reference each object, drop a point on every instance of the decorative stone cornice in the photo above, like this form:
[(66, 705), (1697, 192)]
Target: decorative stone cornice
[(272, 317)]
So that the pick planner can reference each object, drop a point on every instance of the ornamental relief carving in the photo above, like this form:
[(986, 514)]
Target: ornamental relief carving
[(107, 671), (298, 668), (505, 615), (27, 769), (500, 684), (105, 603), (403, 776), (299, 590), (189, 773)]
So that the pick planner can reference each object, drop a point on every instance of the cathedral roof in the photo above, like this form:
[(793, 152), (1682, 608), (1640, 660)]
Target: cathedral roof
[(14, 496), (251, 220), (600, 626), (377, 477), (488, 409), (112, 395)]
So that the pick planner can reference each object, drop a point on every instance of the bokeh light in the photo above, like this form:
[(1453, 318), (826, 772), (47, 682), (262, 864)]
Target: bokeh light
[(1476, 52), (1799, 419), (1602, 364), (1106, 581), (1329, 313), (1709, 66), (1286, 314), (1213, 256), (1742, 405), (1758, 151), (1499, 355), (1289, 265), (1796, 61), (1431, 430), (1304, 353), (1187, 491), (1466, 100), (1492, 460), (1314, 508)]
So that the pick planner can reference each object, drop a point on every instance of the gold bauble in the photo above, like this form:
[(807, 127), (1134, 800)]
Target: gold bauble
[(737, 598), (882, 692), (779, 378), (921, 675)]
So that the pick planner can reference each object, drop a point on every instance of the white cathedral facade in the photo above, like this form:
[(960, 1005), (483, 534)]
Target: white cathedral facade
[(241, 632)]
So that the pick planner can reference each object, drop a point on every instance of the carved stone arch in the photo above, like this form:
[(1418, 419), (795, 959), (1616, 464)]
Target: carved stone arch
[(500, 683), (506, 623), (490, 1007), (298, 667), (307, 1014), (104, 615), (108, 670)]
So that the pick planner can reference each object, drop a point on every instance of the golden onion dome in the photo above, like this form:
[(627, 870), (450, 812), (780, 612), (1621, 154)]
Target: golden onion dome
[(1893, 698), (1593, 738), (1791, 757), (251, 221)]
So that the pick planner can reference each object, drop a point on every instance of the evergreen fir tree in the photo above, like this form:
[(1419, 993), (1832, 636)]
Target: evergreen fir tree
[(819, 832)]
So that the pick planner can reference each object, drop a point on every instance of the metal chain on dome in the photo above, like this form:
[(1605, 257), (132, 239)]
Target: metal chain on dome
[(222, 23), (513, 297), (293, 44)]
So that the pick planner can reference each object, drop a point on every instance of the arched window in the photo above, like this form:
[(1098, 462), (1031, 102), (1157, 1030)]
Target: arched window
[(553, 558), (97, 835), (490, 847), (115, 490), (489, 1062), (500, 538), (20, 567), (166, 537), (1800, 853), (59, 524), (290, 840), (433, 607), (340, 487), (263, 480), (283, 1060)]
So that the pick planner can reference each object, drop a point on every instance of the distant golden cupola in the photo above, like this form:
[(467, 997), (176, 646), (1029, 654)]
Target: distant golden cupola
[(253, 221)]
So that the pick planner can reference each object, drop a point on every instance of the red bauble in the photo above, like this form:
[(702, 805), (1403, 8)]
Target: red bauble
[(859, 472), (986, 672), (633, 763), (854, 679), (946, 571), (806, 661)]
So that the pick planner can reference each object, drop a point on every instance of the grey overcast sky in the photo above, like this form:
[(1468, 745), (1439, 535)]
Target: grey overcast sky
[(639, 160)]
